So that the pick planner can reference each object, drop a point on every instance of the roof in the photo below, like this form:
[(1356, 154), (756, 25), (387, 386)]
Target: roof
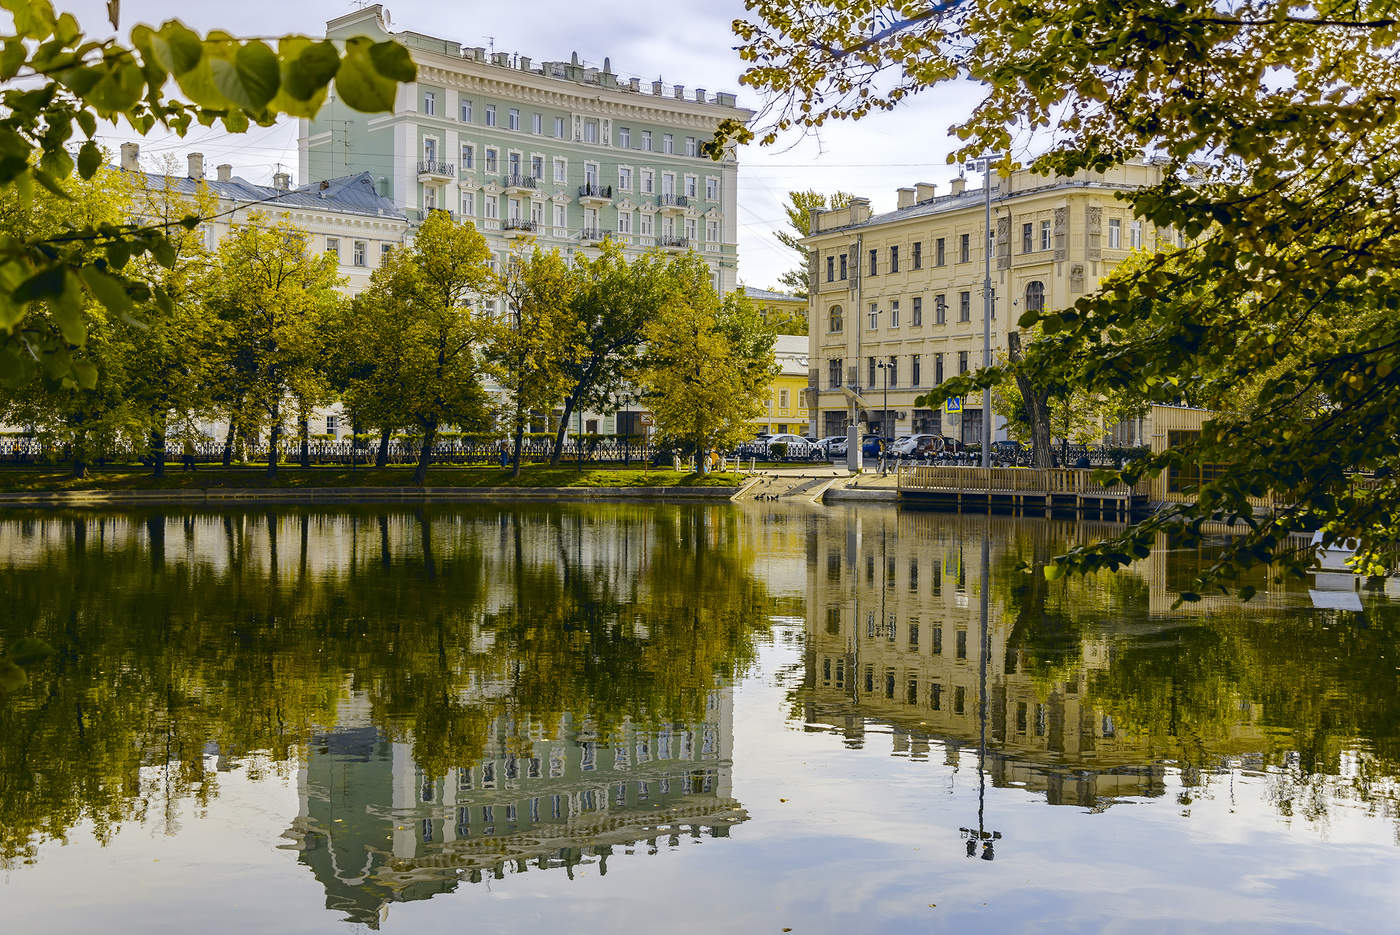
[(348, 194), (764, 295)]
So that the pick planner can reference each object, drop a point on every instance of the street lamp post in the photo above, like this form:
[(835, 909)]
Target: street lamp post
[(884, 368), (984, 163)]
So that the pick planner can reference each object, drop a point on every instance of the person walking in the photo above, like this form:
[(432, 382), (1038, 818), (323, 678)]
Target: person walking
[(187, 457)]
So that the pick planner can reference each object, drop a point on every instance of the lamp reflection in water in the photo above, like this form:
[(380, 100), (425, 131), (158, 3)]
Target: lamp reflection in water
[(973, 835)]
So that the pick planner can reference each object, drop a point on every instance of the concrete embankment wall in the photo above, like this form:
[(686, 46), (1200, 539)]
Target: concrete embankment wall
[(230, 496)]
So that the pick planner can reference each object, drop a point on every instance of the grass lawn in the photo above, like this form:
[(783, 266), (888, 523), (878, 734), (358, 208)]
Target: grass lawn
[(32, 479)]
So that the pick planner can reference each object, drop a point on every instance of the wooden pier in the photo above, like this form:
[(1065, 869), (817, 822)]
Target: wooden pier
[(1034, 491)]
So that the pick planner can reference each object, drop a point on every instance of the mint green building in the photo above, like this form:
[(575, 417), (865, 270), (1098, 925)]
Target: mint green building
[(563, 152)]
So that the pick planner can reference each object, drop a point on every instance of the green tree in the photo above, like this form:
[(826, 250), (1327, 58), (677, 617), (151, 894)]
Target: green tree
[(709, 363), (275, 298), (170, 345), (1273, 124), (427, 291), (799, 214), (365, 348), (615, 301), (532, 349), (60, 83)]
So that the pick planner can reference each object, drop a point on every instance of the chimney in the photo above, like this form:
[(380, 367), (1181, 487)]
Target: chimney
[(225, 172), (131, 157), (814, 220), (700, 95), (680, 92), (906, 197), (282, 181), (923, 191), (959, 185), (860, 210), (196, 161), (634, 84), (501, 58), (524, 62)]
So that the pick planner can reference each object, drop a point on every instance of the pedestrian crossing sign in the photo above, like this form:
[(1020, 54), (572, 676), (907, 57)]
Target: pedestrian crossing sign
[(953, 404)]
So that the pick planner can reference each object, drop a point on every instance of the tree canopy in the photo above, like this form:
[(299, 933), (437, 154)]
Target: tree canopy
[(799, 215), (1273, 122)]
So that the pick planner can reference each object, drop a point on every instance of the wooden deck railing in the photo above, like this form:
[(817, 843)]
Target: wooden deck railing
[(938, 478)]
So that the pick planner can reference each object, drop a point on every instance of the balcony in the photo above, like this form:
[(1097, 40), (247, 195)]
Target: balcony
[(673, 243), (594, 234), (520, 227), (520, 184), (432, 169), (591, 193), (672, 203)]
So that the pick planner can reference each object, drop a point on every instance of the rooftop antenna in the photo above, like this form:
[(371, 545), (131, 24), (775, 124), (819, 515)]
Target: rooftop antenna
[(491, 41)]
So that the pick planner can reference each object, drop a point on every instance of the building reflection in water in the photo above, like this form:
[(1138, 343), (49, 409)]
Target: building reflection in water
[(918, 625), (376, 829)]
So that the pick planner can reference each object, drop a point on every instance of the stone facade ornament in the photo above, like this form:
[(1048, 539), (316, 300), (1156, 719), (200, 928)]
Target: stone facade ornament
[(1076, 278), (1061, 234), (1093, 233), (1004, 242)]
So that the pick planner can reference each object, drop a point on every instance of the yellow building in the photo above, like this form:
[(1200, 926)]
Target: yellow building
[(785, 411), (897, 298), (777, 306)]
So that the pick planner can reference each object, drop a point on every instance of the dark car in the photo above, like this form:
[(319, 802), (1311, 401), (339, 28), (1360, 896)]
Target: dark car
[(872, 445), (952, 445), (918, 446)]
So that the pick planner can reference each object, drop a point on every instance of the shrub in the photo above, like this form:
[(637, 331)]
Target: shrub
[(778, 451)]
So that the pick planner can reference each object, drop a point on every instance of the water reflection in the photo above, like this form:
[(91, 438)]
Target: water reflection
[(408, 649), (1090, 691)]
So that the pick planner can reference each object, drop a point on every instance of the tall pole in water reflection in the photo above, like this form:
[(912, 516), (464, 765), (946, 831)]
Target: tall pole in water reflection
[(984, 651)]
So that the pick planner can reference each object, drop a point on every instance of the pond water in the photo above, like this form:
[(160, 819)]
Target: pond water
[(640, 718)]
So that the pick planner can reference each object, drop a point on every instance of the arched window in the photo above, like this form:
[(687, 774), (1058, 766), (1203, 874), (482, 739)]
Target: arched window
[(834, 322), (1035, 296)]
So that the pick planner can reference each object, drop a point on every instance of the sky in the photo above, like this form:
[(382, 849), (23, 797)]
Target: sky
[(681, 43)]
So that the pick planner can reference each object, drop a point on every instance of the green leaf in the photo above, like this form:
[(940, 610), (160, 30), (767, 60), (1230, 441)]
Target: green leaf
[(393, 61), (249, 76), (89, 159), (85, 373), (308, 67), (47, 283), (107, 289), (359, 82)]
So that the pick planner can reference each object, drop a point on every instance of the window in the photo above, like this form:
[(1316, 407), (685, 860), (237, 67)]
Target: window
[(430, 103), (874, 316), (430, 150), (537, 213), (894, 259), (918, 256), (492, 206), (894, 370), (961, 644), (1035, 296), (833, 366), (384, 249), (830, 269), (1115, 232), (962, 362), (712, 189), (873, 255), (360, 249), (690, 149), (513, 119), (560, 216), (558, 128), (939, 254), (624, 137), (624, 178), (491, 160), (870, 365), (964, 306), (914, 377), (937, 369), (333, 247), (648, 182), (513, 160), (466, 111), (646, 225), (561, 169), (536, 167), (918, 311), (668, 143), (646, 140), (834, 323), (468, 156), (490, 115), (894, 313), (332, 424), (689, 228), (964, 248), (843, 266), (940, 309), (1027, 235), (783, 399), (1045, 235), (712, 231), (536, 124), (624, 222), (1135, 235), (691, 186), (590, 131)]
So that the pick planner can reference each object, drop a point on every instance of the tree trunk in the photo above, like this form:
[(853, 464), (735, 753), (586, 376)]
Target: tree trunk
[(519, 443), (304, 427), (158, 449), (382, 458), (1037, 409), (425, 456), (273, 438), (570, 402), (228, 441), (701, 465)]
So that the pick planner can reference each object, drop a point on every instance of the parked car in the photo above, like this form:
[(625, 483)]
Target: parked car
[(836, 447), (794, 447), (872, 445), (918, 446), (757, 448), (952, 446)]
